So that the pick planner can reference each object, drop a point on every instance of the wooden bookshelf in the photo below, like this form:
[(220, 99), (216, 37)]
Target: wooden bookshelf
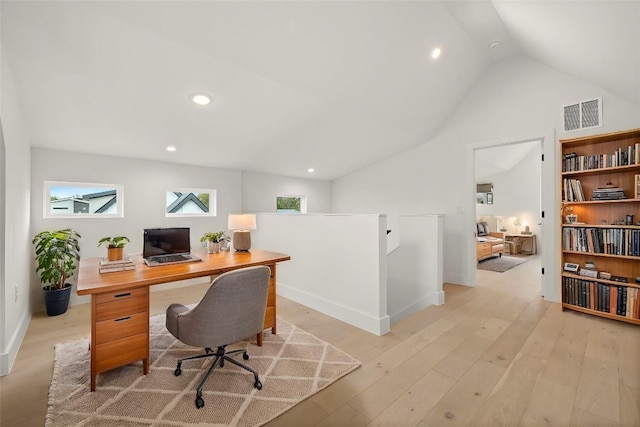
[(600, 185)]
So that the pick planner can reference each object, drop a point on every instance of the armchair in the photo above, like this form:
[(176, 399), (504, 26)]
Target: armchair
[(232, 310)]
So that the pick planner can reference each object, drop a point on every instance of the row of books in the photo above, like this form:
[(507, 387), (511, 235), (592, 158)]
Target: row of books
[(572, 190), (613, 299), (611, 241), (573, 162), (107, 266)]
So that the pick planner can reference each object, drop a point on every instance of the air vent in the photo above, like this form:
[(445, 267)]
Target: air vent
[(582, 115)]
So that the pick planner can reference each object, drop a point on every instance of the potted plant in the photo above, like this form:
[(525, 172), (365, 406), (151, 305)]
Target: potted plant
[(57, 255), (214, 240), (115, 246)]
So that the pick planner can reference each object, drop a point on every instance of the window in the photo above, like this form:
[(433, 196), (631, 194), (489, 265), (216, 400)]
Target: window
[(82, 200), (190, 202), (291, 204)]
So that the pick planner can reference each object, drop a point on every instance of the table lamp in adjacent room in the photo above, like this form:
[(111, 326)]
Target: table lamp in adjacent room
[(241, 224)]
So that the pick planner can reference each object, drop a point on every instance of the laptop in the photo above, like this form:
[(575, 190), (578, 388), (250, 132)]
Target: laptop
[(164, 246)]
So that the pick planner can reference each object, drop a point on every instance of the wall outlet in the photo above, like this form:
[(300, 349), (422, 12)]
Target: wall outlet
[(460, 210), (15, 298)]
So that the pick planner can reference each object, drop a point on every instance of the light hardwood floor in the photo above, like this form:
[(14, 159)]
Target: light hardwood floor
[(493, 355)]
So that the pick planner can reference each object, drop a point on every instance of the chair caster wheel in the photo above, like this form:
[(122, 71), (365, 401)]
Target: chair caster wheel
[(177, 372), (245, 356), (221, 363), (258, 385), (199, 402)]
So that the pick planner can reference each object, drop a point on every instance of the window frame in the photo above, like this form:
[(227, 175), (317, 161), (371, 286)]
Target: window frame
[(213, 203), (303, 203), (47, 202)]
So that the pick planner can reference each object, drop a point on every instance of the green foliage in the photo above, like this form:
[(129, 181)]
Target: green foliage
[(57, 255), (288, 203), (217, 237), (204, 198), (114, 242)]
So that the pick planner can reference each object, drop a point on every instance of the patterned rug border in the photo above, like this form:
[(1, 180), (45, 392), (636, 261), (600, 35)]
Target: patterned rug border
[(61, 349)]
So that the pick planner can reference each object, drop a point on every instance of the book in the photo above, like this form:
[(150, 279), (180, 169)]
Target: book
[(126, 260), (116, 268)]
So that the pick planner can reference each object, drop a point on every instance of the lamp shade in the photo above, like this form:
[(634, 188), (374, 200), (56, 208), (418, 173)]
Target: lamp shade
[(242, 222)]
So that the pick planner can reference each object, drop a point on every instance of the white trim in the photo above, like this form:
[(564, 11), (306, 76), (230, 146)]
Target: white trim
[(213, 203), (9, 357), (377, 326), (46, 199), (549, 203)]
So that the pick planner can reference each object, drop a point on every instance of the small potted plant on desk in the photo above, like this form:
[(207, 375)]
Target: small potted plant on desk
[(57, 255), (115, 246), (214, 240)]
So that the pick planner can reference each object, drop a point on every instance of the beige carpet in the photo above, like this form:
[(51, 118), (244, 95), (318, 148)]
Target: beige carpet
[(292, 365)]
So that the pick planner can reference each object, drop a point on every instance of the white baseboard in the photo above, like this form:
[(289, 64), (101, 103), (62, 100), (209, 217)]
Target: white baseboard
[(435, 298), (7, 359), (377, 326)]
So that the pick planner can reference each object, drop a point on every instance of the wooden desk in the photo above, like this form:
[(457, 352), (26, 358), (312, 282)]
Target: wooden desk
[(120, 302), (521, 239)]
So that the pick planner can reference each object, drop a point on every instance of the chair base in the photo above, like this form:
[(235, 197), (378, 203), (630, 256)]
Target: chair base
[(220, 355)]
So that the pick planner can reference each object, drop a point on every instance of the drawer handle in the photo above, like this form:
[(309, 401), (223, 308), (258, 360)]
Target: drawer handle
[(122, 318), (127, 294)]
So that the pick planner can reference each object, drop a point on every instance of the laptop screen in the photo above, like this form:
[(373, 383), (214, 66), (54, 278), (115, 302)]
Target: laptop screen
[(166, 241)]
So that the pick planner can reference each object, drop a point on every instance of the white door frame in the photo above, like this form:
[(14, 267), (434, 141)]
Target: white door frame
[(549, 204)]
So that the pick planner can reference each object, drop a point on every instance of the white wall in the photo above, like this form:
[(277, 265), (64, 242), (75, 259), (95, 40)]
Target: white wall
[(145, 186), (516, 193), (515, 97), (338, 264), (414, 270), (14, 285), (259, 192)]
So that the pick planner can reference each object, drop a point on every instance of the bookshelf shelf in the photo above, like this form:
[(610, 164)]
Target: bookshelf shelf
[(600, 185), (600, 313), (599, 171)]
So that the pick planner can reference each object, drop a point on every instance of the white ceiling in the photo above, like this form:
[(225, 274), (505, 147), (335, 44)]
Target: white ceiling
[(493, 161), (331, 85)]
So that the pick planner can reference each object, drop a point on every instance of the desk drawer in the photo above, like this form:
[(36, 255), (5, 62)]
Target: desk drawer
[(121, 327), (122, 295), (121, 352), (117, 309)]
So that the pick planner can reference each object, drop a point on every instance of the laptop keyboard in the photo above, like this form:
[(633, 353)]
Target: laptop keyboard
[(170, 258)]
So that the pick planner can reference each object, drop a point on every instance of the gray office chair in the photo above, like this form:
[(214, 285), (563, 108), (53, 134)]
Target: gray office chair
[(232, 310)]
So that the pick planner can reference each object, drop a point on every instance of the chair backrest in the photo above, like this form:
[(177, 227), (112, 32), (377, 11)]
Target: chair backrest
[(232, 310), (483, 228)]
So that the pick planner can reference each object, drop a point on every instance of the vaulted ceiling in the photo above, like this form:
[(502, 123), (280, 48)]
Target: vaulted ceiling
[(333, 86)]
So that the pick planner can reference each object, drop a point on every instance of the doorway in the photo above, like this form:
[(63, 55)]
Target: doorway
[(508, 202)]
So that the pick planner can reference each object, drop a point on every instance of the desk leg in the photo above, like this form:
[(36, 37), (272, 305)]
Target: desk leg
[(92, 344)]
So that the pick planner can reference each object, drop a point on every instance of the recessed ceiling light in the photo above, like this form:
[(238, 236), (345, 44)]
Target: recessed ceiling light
[(171, 148), (201, 99), (494, 44), (310, 170), (435, 53)]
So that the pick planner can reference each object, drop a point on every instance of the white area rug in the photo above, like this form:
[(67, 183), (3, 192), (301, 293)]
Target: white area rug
[(292, 365)]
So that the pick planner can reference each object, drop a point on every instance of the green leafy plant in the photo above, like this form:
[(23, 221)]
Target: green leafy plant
[(57, 255), (114, 242), (217, 237)]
